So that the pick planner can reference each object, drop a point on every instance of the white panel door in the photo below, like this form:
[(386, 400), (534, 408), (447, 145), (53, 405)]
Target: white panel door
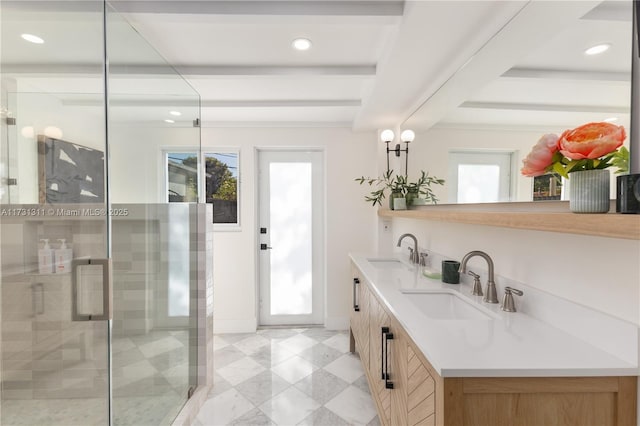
[(291, 247)]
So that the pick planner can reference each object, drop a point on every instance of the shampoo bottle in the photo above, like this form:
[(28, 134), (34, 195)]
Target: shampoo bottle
[(45, 258), (63, 257)]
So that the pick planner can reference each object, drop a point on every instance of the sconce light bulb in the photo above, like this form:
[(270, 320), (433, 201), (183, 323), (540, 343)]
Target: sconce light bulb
[(387, 135), (407, 135)]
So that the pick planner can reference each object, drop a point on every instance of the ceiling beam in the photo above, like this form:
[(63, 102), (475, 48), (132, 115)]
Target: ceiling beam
[(282, 8), (546, 107), (63, 70), (550, 74), (249, 103), (221, 7)]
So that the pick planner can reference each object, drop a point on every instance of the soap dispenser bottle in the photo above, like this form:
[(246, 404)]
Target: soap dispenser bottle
[(45, 258), (63, 257)]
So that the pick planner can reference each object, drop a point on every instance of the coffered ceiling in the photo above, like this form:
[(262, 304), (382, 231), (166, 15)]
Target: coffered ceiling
[(372, 64)]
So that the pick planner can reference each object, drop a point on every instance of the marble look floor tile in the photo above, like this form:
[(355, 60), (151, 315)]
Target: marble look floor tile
[(348, 367), (294, 369), (220, 385), (271, 355), (262, 387), (320, 354), (252, 344), (319, 333), (276, 333), (339, 342), (362, 384), (298, 343), (254, 417), (375, 422), (160, 346), (289, 407), (241, 370), (353, 405), (226, 356), (224, 408), (323, 417), (219, 342), (121, 344), (321, 386)]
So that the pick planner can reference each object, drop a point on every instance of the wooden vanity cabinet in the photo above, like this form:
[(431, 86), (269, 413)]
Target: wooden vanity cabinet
[(419, 396)]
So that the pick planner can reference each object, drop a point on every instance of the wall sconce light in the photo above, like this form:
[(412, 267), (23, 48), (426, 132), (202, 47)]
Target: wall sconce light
[(407, 136)]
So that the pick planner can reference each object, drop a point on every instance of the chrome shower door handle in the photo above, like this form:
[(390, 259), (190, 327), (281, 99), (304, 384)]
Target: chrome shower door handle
[(106, 313)]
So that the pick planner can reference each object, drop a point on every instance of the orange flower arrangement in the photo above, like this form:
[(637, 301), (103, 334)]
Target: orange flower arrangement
[(588, 147)]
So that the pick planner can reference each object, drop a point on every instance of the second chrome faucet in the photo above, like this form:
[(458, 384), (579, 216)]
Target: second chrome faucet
[(491, 295), (414, 255)]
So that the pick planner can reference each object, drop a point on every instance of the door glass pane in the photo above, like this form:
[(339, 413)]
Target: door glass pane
[(155, 258), (291, 238), (54, 366)]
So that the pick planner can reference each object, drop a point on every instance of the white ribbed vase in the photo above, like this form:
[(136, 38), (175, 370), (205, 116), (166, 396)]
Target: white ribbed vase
[(589, 191)]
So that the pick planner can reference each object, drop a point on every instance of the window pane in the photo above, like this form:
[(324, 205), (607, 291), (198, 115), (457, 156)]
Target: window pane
[(478, 183), (182, 172), (221, 180)]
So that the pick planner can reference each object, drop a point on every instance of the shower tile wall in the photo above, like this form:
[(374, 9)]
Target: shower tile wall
[(46, 355), (44, 352)]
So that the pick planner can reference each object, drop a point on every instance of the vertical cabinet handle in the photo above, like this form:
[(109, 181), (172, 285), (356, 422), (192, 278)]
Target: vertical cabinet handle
[(384, 367), (356, 304), (387, 336)]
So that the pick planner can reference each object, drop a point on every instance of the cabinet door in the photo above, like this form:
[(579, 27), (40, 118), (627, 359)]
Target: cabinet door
[(420, 388), (359, 317), (378, 318)]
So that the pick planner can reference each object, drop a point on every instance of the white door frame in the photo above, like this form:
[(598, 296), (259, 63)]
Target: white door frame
[(319, 260)]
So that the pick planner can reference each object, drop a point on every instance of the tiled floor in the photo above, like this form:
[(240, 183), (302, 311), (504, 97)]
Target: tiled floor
[(303, 376)]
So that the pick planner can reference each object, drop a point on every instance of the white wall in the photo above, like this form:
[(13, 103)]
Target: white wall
[(349, 220)]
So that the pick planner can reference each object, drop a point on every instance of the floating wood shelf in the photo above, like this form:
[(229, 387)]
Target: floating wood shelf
[(610, 225)]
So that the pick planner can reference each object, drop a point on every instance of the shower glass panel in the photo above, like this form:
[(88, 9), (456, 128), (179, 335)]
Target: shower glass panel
[(53, 334), (109, 336), (154, 331)]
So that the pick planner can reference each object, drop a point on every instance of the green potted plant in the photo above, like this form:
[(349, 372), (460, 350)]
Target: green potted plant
[(398, 187)]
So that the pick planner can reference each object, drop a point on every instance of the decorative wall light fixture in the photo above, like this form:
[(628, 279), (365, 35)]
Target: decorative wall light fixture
[(407, 136)]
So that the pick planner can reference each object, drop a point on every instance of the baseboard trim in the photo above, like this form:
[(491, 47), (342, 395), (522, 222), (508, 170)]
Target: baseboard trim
[(221, 326), (336, 323)]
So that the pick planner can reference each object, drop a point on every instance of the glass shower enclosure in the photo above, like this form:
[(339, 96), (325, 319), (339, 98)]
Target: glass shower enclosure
[(99, 325)]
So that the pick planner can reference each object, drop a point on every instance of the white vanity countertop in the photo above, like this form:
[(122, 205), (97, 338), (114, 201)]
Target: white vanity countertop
[(507, 345)]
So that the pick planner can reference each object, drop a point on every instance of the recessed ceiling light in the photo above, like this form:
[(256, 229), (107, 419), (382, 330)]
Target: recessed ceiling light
[(32, 38), (597, 49), (301, 44), (170, 121), (610, 119), (175, 113)]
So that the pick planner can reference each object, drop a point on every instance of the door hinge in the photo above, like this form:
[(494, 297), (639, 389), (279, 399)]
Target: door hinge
[(196, 122), (11, 121), (190, 392)]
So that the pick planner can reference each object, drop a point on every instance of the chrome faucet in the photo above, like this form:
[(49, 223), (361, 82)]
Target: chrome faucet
[(414, 256), (491, 296)]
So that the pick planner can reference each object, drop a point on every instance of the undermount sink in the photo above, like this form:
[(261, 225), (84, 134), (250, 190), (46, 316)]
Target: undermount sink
[(443, 305), (386, 263)]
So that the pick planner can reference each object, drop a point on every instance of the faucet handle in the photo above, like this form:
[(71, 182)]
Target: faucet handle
[(508, 304), (477, 287), (423, 258)]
